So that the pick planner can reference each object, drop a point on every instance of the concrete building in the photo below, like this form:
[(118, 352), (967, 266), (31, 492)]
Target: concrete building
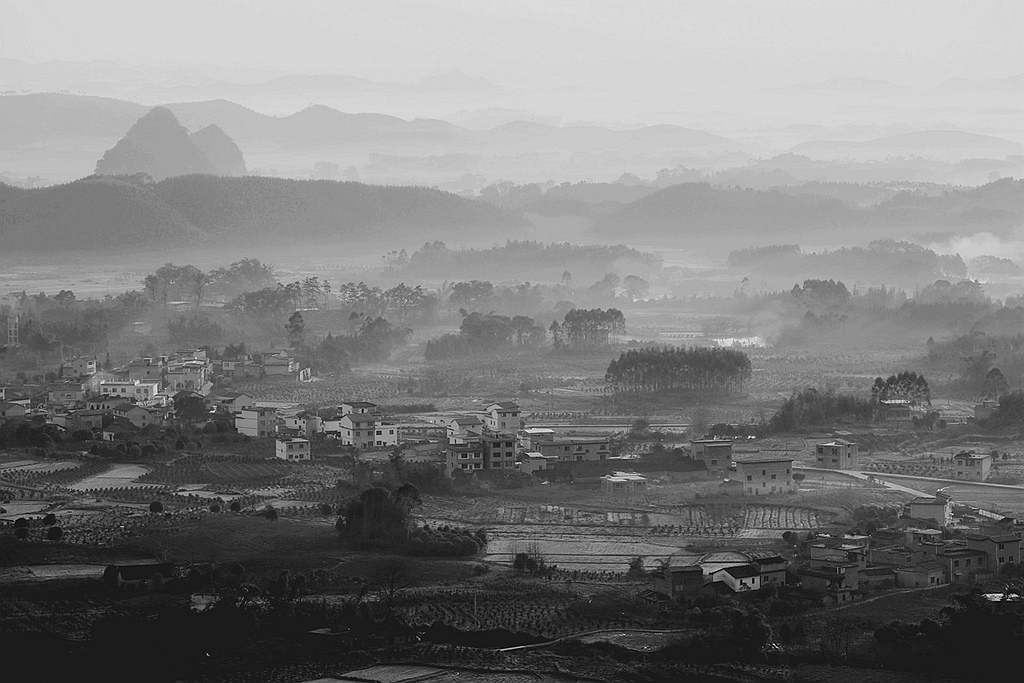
[(576, 448), (765, 475), (674, 582), (1000, 549), (716, 454), (971, 466), (623, 483), (927, 573), (499, 451), (937, 509), (739, 578), (149, 369), (838, 454), (256, 421), (134, 390), (503, 417), (293, 450), (464, 456), (80, 367), (533, 461)]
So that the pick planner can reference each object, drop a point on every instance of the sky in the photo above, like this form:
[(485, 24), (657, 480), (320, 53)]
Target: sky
[(540, 43)]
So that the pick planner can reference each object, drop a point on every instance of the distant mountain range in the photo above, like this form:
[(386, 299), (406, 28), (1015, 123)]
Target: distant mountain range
[(951, 142), (698, 209), (102, 212), (160, 147)]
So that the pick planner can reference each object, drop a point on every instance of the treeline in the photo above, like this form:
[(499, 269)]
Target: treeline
[(813, 408), (110, 212), (527, 259), (486, 332), (669, 368), (890, 261)]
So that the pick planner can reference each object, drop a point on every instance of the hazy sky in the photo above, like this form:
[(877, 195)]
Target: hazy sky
[(664, 43)]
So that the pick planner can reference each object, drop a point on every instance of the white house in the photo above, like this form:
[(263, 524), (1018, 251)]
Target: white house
[(760, 475), (135, 390), (294, 450), (256, 421), (739, 578), (504, 416)]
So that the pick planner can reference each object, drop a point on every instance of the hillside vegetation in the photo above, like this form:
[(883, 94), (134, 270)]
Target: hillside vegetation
[(103, 212), (701, 209)]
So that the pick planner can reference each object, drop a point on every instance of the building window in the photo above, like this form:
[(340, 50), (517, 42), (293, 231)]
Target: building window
[(773, 477), (749, 478)]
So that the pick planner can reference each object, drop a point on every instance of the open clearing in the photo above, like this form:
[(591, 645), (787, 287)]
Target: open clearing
[(117, 476)]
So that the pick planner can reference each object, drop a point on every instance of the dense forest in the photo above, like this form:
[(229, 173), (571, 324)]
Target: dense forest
[(669, 368)]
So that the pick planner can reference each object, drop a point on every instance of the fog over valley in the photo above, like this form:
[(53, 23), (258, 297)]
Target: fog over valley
[(577, 340)]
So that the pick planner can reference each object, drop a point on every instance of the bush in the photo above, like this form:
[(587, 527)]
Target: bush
[(270, 513), (50, 519), (156, 507), (54, 533)]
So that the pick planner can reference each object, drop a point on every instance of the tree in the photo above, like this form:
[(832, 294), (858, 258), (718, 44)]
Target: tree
[(156, 507), (270, 513), (995, 384), (190, 408), (235, 506), (906, 385), (389, 577), (637, 287), (54, 533), (295, 328), (50, 519)]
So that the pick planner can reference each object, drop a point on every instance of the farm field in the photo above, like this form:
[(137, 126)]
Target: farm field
[(122, 475), (401, 673), (994, 499)]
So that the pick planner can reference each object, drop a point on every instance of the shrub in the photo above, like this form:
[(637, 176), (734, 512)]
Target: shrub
[(156, 507), (54, 533)]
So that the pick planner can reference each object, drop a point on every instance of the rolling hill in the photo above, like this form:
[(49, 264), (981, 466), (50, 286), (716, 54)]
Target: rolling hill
[(699, 209), (103, 212)]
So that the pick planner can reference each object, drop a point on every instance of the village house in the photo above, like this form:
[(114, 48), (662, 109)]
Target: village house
[(937, 509), (10, 411), (837, 584), (135, 390), (770, 567), (576, 448), (1000, 549), (765, 475), (302, 423), (837, 454), (466, 456), (139, 416), (877, 578), (278, 363), (503, 417), (674, 582), (716, 454), (189, 375), (985, 410), (87, 419), (82, 366), (66, 394), (229, 402), (896, 412), (366, 431), (293, 449), (623, 483), (148, 369), (965, 564), (256, 421), (897, 556), (531, 436), (499, 451), (739, 578), (533, 461), (921, 575), (462, 429), (971, 466)]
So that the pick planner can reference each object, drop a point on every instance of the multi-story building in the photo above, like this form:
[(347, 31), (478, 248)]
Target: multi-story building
[(672, 582), (189, 375), (1000, 549), (293, 450), (499, 451), (66, 393), (256, 421), (937, 509), (468, 456), (80, 367), (230, 402), (837, 454), (149, 369), (134, 390), (576, 448), (765, 475), (365, 431), (716, 454), (504, 416), (971, 466)]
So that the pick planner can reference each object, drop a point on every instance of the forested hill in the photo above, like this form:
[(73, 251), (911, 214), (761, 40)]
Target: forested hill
[(112, 212), (701, 209)]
